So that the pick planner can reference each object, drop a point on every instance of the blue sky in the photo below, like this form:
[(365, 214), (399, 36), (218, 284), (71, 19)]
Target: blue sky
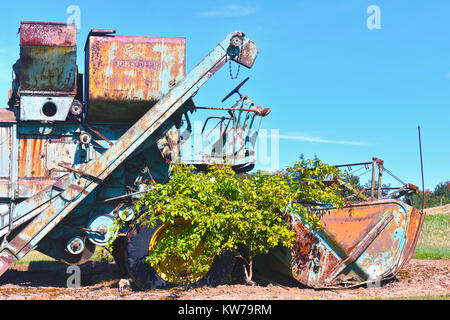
[(336, 88)]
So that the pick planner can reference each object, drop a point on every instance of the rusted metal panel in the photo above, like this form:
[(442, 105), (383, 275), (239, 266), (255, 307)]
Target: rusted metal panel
[(38, 159), (47, 108), (40, 150), (28, 187), (47, 34), (5, 151), (61, 150), (4, 213), (351, 224), (32, 157), (415, 222), (47, 73), (48, 57), (39, 155), (5, 160), (48, 68), (5, 186), (7, 142), (7, 116), (307, 255), (248, 54), (362, 242), (129, 74)]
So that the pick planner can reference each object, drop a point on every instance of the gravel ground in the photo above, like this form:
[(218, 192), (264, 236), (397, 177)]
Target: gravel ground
[(100, 281)]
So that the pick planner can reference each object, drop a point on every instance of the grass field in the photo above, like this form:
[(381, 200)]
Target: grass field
[(99, 255), (35, 256), (434, 240)]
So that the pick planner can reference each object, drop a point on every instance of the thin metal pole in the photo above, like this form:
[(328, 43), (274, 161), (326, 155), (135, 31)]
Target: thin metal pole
[(421, 167), (380, 175), (372, 187)]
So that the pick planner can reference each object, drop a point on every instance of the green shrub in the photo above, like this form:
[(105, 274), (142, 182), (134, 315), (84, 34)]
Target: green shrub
[(225, 210)]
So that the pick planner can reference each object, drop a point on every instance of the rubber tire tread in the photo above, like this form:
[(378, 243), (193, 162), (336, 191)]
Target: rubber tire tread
[(118, 253)]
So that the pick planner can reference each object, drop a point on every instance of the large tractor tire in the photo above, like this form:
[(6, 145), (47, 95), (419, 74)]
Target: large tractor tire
[(163, 276), (118, 253)]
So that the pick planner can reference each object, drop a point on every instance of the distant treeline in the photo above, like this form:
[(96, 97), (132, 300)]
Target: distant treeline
[(438, 197)]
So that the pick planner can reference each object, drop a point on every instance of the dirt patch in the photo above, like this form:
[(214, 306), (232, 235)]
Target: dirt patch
[(100, 281), (438, 210)]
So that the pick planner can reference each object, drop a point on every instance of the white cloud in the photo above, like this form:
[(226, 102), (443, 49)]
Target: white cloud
[(319, 140), (234, 10)]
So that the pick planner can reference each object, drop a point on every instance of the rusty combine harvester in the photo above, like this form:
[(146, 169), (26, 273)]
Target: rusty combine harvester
[(78, 149)]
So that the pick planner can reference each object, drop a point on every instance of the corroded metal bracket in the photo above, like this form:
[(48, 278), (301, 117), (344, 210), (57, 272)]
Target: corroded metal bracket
[(361, 246), (362, 242)]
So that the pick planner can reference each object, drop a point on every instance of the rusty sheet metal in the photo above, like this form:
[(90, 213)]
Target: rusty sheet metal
[(415, 222), (129, 74), (34, 107), (367, 241), (7, 135), (7, 116), (39, 155), (248, 54), (38, 158), (47, 34), (48, 57), (32, 157), (48, 69), (5, 160), (40, 149), (27, 187)]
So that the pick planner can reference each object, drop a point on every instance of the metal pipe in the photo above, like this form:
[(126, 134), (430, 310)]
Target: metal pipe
[(380, 175), (352, 164), (372, 188), (228, 109), (421, 168)]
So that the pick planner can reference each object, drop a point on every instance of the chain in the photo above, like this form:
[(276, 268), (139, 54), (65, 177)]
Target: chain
[(239, 66)]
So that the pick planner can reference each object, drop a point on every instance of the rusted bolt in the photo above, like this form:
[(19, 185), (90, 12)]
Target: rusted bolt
[(85, 138), (102, 230), (76, 108), (236, 41), (172, 83), (75, 245)]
